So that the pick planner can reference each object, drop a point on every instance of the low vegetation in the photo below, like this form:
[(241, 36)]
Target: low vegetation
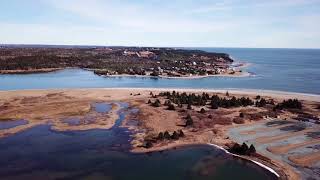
[(202, 110)]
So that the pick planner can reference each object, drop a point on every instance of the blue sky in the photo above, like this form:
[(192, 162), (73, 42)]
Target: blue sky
[(189, 23)]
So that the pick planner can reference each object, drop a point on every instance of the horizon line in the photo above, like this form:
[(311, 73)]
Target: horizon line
[(88, 45)]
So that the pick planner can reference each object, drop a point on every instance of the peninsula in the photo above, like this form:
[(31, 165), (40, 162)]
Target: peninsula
[(118, 61)]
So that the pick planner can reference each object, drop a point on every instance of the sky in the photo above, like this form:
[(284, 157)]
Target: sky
[(166, 23)]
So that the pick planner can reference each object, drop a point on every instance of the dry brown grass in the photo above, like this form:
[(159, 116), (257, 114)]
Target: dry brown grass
[(305, 160)]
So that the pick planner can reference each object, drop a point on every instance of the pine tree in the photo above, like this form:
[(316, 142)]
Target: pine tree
[(189, 120), (160, 136), (181, 134), (175, 135), (166, 135), (252, 149)]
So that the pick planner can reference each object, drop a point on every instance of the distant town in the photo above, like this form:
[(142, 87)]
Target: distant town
[(117, 61)]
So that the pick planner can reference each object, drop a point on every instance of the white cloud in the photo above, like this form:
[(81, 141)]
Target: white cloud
[(137, 18), (159, 23)]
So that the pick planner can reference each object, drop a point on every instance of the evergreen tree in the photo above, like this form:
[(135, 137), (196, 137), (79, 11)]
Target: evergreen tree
[(189, 120), (189, 106), (166, 135), (156, 103), (175, 135), (244, 148), (160, 136), (252, 149), (181, 134)]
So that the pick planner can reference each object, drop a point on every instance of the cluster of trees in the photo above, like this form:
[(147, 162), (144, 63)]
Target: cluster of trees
[(217, 102), (167, 103), (201, 100), (184, 98), (289, 104), (163, 136), (166, 135), (242, 149), (261, 103)]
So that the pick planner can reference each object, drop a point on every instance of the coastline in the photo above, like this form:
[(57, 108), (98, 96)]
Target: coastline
[(237, 75), (245, 158), (248, 159), (127, 94), (238, 66), (276, 93)]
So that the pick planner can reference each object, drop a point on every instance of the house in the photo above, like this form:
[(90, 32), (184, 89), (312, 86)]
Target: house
[(146, 54)]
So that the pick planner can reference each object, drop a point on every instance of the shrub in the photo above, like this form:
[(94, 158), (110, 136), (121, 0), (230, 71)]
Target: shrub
[(238, 120), (147, 144), (156, 103), (171, 107), (167, 103), (154, 73)]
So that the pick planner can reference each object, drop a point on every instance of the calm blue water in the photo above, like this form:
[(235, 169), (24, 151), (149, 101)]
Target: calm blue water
[(295, 70), (7, 124), (41, 153)]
